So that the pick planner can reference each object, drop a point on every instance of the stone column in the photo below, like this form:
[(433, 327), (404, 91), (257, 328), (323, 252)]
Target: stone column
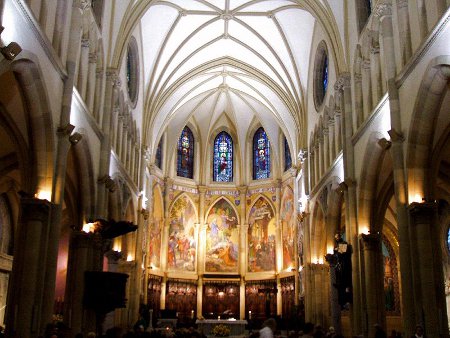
[(242, 299), (375, 70), (83, 68), (55, 225), (97, 110), (373, 280), (92, 82), (312, 166), (332, 140), (112, 86), (427, 269), (383, 11), (162, 304), (84, 254), (337, 130), (334, 296), (358, 118), (404, 30), (29, 269), (326, 148), (201, 245), (199, 296), (367, 89), (320, 154)]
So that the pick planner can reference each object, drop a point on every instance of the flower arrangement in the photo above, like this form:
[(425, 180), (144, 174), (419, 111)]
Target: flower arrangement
[(221, 330)]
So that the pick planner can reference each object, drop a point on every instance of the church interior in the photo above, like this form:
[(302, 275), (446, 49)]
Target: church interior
[(190, 161)]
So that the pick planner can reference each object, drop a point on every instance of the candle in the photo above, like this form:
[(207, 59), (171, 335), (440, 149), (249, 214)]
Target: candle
[(249, 315), (192, 314), (218, 317)]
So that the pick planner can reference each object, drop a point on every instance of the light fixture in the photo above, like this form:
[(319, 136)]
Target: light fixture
[(44, 195)]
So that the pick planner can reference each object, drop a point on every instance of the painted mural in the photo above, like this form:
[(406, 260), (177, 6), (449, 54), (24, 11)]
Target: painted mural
[(182, 246), (155, 230), (222, 239), (261, 237), (288, 227)]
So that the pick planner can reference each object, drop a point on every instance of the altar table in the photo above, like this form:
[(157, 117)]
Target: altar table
[(237, 327)]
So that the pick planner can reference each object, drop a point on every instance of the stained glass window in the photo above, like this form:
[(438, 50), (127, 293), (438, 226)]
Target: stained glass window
[(287, 155), (261, 155), (185, 160), (223, 158), (448, 239), (325, 74), (158, 159)]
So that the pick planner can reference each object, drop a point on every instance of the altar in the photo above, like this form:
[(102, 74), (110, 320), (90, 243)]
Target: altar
[(237, 327)]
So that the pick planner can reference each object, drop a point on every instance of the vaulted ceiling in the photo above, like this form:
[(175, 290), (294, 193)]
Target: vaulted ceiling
[(226, 63)]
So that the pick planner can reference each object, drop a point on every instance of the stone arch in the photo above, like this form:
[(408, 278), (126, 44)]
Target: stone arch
[(425, 114), (317, 238), (373, 160), (35, 100), (225, 198), (261, 236)]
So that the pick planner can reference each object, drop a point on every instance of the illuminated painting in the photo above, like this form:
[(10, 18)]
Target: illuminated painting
[(261, 237), (182, 245), (222, 239), (287, 226), (156, 230)]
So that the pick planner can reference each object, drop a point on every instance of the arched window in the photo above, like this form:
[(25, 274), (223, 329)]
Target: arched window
[(185, 160), (223, 158), (261, 155), (287, 155), (158, 159)]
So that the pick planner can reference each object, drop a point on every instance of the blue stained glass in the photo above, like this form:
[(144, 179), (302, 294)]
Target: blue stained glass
[(223, 158), (185, 159), (287, 155), (159, 155), (448, 239), (261, 155), (325, 75)]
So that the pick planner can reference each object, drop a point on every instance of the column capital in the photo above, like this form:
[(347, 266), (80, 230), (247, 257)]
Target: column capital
[(85, 43), (99, 73), (422, 212), (302, 155), (108, 182), (112, 75), (202, 189), (357, 77), (35, 208), (65, 131), (365, 64), (371, 242), (82, 4), (93, 57), (402, 3), (343, 81), (384, 144), (243, 189), (396, 136), (382, 9)]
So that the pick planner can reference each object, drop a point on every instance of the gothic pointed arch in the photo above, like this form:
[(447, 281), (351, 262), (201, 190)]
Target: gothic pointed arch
[(222, 238), (185, 154), (261, 155), (182, 243), (223, 158), (261, 236)]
